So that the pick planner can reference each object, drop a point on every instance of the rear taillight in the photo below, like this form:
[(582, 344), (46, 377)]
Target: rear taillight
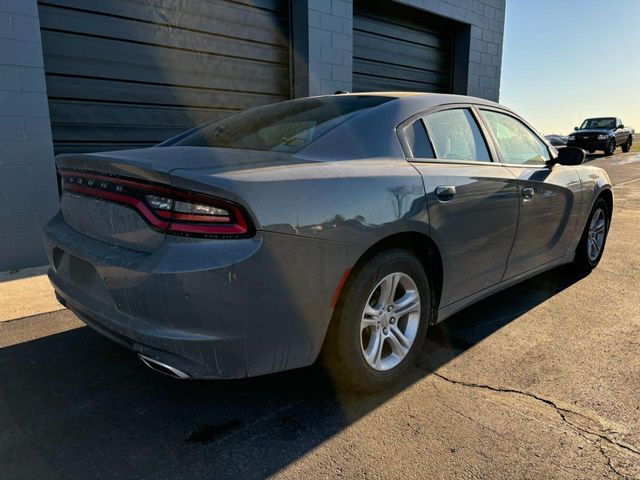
[(178, 212)]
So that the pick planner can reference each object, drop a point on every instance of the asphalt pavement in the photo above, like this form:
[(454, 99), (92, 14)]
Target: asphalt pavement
[(539, 381)]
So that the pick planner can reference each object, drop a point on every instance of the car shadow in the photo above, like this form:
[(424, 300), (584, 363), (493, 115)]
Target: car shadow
[(75, 405), (22, 274), (462, 331), (596, 156)]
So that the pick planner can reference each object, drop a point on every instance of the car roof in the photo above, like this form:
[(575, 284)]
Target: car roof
[(366, 134)]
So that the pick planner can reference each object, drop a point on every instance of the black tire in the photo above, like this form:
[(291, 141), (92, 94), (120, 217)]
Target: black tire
[(342, 352), (583, 262), (626, 146), (611, 148)]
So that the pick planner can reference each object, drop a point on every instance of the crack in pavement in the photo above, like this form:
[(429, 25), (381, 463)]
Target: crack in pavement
[(609, 462), (562, 413), (511, 441)]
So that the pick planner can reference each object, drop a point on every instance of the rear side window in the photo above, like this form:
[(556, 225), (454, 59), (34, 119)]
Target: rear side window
[(518, 144), (281, 127), (456, 136), (418, 141)]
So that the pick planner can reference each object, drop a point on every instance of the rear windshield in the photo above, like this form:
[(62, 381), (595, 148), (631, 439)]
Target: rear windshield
[(282, 127)]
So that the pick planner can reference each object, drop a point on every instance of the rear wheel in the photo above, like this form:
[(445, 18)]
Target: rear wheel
[(380, 322), (594, 237), (627, 145)]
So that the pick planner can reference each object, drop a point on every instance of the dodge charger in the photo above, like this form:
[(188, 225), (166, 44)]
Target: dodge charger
[(334, 228)]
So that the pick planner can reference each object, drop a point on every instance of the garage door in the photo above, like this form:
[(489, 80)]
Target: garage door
[(400, 48), (127, 73)]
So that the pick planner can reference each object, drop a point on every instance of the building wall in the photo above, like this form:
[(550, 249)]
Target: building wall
[(486, 18), (331, 42), (330, 45), (28, 190)]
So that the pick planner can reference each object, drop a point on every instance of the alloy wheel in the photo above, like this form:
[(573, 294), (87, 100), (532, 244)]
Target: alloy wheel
[(390, 321), (597, 231)]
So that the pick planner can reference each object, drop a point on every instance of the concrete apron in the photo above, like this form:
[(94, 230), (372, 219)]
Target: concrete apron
[(25, 293)]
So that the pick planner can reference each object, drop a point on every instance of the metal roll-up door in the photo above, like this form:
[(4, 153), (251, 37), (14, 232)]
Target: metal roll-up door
[(131, 73), (396, 47)]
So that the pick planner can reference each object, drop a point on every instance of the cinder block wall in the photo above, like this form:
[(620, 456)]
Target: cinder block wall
[(331, 42), (28, 191), (330, 46)]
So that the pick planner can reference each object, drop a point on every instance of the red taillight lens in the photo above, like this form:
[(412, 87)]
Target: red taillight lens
[(173, 211), (200, 214), (184, 211)]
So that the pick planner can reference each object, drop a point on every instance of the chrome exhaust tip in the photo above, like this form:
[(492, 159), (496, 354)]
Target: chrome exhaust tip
[(163, 368)]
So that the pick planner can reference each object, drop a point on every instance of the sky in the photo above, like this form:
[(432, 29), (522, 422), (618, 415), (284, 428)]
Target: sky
[(566, 60)]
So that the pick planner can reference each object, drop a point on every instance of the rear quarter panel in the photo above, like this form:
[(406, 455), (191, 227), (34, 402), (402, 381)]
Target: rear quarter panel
[(357, 202)]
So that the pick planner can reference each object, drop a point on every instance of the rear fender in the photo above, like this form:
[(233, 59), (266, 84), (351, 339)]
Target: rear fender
[(356, 202)]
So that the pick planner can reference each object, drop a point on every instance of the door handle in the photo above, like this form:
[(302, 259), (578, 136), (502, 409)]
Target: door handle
[(445, 193), (527, 193)]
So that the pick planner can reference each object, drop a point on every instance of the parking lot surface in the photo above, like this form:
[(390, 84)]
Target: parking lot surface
[(539, 381)]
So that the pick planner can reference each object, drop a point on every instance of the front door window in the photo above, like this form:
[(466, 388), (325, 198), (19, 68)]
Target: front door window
[(518, 144)]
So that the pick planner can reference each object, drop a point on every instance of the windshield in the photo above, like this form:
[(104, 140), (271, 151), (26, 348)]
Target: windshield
[(281, 127), (598, 123)]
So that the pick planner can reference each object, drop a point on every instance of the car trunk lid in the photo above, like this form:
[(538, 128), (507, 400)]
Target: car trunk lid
[(156, 163), (110, 174), (101, 218)]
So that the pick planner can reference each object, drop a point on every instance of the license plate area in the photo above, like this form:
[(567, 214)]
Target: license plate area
[(79, 273)]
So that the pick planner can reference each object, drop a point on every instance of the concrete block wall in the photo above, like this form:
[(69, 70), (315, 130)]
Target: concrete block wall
[(330, 46), (331, 42), (28, 190)]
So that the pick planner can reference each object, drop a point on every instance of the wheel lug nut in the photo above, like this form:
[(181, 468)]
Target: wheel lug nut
[(385, 330), (392, 321), (390, 308)]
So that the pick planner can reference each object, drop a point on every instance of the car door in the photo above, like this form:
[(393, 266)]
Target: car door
[(620, 134), (472, 200), (547, 193)]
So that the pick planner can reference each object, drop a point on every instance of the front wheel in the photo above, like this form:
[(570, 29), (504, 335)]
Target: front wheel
[(610, 148), (627, 145), (594, 237), (380, 322)]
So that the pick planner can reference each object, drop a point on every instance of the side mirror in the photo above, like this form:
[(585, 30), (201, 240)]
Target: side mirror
[(570, 156), (621, 127), (575, 129)]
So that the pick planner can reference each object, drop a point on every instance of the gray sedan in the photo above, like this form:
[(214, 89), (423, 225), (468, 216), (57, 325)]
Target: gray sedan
[(338, 227)]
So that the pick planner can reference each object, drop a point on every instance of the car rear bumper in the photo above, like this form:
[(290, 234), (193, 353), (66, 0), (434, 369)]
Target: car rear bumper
[(209, 308)]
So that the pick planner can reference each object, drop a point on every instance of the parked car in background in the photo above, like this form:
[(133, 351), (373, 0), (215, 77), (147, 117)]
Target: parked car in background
[(605, 133), (340, 226), (558, 141)]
